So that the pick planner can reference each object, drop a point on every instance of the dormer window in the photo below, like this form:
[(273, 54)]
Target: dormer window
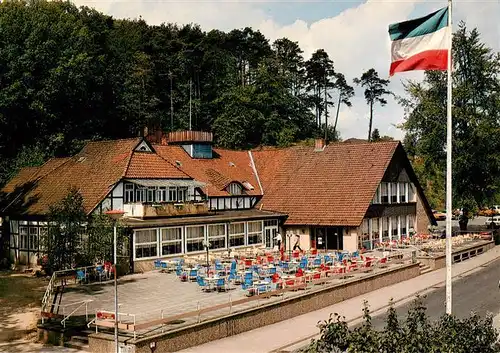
[(235, 189)]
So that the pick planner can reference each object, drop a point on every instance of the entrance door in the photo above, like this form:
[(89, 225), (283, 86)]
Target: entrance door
[(269, 234)]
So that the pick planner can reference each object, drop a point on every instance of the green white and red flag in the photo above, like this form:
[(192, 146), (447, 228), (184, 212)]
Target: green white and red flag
[(421, 44)]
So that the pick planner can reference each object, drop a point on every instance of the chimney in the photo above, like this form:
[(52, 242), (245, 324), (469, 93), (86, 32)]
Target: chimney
[(319, 144)]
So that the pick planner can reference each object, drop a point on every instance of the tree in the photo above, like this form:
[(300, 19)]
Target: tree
[(376, 136), (375, 90), (476, 122), (417, 334), (63, 242), (345, 93)]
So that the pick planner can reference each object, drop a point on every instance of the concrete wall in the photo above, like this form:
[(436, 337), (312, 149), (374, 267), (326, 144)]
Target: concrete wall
[(351, 239), (422, 219), (305, 236), (253, 318)]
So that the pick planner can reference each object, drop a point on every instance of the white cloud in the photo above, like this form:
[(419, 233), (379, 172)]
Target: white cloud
[(356, 39)]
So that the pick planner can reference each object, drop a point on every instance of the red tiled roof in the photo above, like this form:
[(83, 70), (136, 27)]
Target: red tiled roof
[(329, 187), (93, 171), (151, 165), (225, 166)]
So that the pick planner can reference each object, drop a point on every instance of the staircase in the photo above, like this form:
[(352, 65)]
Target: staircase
[(424, 268), (80, 341)]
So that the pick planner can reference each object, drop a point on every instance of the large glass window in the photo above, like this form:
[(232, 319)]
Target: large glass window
[(217, 236), (195, 236), (171, 241), (146, 243), (24, 239), (394, 226), (364, 237), (411, 193), (235, 189), (33, 238), (172, 194), (375, 230), (182, 194), (140, 194), (255, 232), (129, 193), (411, 222), (402, 192), (384, 198), (404, 230), (385, 229), (237, 234), (394, 193)]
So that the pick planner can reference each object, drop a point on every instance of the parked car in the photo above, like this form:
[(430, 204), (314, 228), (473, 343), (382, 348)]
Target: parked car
[(439, 216), (492, 222)]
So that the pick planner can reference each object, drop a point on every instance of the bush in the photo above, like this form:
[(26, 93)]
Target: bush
[(417, 334)]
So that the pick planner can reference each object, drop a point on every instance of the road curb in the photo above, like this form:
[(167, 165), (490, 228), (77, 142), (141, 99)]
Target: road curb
[(430, 289)]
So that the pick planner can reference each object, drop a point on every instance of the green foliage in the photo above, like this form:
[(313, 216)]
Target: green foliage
[(417, 334), (476, 123), (63, 243), (70, 75), (376, 136), (375, 90)]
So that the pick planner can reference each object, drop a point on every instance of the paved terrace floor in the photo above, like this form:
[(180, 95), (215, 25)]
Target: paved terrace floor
[(148, 295)]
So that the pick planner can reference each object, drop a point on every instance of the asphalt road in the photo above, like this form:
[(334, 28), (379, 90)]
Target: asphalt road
[(477, 292)]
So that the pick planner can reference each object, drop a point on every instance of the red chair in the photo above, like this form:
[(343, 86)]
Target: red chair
[(317, 276), (299, 273), (295, 254), (248, 263), (314, 251)]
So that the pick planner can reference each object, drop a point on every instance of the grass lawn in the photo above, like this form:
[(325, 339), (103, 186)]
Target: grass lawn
[(19, 291)]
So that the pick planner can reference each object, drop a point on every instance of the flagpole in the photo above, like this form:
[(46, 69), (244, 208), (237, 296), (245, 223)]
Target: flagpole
[(448, 168)]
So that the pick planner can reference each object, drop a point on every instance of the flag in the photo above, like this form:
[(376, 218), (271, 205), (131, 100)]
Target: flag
[(420, 44)]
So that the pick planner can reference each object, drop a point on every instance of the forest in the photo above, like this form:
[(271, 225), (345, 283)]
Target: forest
[(69, 75)]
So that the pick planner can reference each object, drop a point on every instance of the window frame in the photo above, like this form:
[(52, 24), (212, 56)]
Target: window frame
[(235, 189), (129, 193), (175, 241), (237, 235), (202, 238), (211, 238), (155, 243), (384, 193), (23, 237), (255, 232)]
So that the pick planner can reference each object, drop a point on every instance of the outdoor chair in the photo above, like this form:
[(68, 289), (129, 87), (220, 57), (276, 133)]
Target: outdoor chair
[(221, 285), (157, 264), (80, 276), (193, 274), (201, 282), (317, 262), (100, 272)]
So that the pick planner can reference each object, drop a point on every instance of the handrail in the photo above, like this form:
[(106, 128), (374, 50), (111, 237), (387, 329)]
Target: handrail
[(84, 302)]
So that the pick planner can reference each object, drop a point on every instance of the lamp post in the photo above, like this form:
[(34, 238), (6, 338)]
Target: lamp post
[(206, 244), (115, 215)]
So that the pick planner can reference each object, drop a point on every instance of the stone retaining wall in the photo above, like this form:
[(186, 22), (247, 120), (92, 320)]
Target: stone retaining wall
[(437, 262), (233, 324)]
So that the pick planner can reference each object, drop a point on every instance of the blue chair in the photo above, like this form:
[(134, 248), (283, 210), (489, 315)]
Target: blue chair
[(355, 254), (317, 261), (80, 276), (100, 272), (164, 266), (328, 260), (303, 265), (221, 285), (201, 282), (158, 264), (285, 266), (219, 266), (262, 289), (272, 270), (193, 274)]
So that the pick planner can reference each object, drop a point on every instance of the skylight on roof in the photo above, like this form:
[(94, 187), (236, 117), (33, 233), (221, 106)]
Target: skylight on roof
[(231, 164), (143, 147), (178, 163)]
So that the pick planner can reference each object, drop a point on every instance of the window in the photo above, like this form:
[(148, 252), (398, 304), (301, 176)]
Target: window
[(151, 194), (33, 238), (236, 234), (402, 192), (163, 192), (146, 243), (172, 194), (217, 236), (404, 231), (394, 192), (194, 238), (140, 194), (235, 189), (23, 235), (364, 238), (271, 223), (182, 194), (171, 241), (129, 193), (376, 197), (385, 229), (375, 230), (394, 226), (411, 193), (411, 222), (384, 193), (255, 232), (158, 196)]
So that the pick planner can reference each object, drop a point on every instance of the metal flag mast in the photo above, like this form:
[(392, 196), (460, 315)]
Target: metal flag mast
[(449, 204)]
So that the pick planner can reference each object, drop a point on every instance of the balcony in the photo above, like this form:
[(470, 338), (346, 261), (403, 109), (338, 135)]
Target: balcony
[(165, 209)]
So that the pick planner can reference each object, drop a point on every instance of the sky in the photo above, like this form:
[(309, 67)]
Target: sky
[(353, 32)]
